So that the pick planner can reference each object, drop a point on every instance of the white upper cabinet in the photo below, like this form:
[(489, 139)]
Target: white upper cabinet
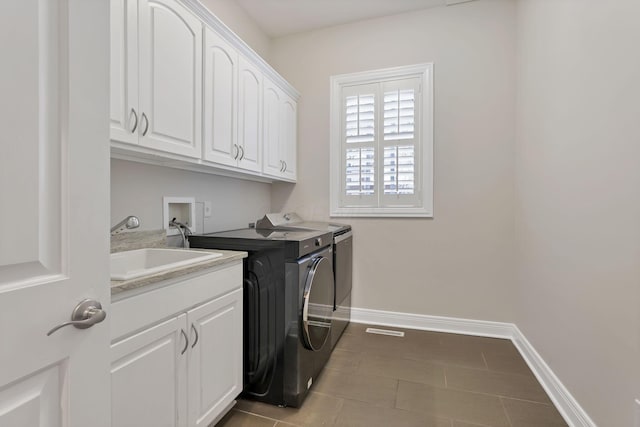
[(125, 111), (232, 106), (280, 130), (170, 77), (156, 76), (250, 116), (185, 88), (289, 136), (273, 163), (220, 100)]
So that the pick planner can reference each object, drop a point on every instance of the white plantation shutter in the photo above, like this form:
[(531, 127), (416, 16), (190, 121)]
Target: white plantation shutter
[(359, 141), (360, 118), (400, 142), (399, 114), (384, 153)]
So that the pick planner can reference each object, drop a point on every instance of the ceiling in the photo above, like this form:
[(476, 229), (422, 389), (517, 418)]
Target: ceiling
[(281, 17)]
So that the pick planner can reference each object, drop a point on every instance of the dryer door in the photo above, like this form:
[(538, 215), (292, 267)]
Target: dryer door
[(317, 307)]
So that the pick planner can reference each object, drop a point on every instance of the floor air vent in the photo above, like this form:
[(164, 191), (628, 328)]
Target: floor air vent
[(384, 332)]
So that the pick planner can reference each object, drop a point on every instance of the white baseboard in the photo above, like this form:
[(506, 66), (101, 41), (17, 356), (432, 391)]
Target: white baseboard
[(432, 323), (568, 407)]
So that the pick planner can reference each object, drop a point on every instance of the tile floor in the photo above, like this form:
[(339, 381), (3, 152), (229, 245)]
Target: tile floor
[(423, 379)]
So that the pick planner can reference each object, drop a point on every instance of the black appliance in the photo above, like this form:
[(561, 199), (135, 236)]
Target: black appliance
[(342, 261), (288, 306)]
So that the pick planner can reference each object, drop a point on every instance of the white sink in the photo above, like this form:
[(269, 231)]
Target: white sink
[(144, 262)]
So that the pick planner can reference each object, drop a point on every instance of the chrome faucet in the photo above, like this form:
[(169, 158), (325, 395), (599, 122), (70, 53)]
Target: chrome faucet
[(127, 223), (183, 229)]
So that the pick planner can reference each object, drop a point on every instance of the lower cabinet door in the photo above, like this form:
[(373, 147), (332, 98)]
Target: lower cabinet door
[(215, 357), (148, 381)]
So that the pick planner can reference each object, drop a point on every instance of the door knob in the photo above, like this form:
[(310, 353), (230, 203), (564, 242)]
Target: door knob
[(85, 315)]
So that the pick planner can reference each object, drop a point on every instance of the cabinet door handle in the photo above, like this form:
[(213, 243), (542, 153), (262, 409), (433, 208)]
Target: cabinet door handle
[(195, 331), (146, 120), (241, 152), (186, 341), (285, 166), (281, 166), (135, 116), (237, 151)]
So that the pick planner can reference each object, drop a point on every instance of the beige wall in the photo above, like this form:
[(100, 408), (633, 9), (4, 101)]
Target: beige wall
[(234, 17), (461, 262), (578, 197), (137, 189)]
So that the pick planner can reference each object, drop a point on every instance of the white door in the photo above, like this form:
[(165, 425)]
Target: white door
[(220, 100), (215, 357), (54, 181), (249, 116), (170, 49)]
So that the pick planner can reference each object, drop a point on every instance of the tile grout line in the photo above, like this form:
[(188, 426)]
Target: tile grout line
[(499, 396), (504, 409), (275, 420), (492, 395), (444, 372), (486, 365)]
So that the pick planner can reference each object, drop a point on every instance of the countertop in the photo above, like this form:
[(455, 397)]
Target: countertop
[(119, 286)]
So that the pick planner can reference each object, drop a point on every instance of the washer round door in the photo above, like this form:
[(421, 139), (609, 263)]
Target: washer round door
[(317, 307)]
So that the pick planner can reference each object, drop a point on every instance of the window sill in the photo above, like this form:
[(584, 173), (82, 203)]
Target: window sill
[(382, 212)]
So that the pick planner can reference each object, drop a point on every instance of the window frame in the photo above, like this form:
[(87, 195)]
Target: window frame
[(423, 145)]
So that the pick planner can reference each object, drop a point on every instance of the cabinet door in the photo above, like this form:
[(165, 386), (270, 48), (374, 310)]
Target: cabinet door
[(220, 100), (273, 162), (170, 78), (215, 357), (288, 136), (148, 381), (249, 116), (125, 112)]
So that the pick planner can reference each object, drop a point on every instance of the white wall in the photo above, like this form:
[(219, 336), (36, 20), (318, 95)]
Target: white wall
[(578, 197), (461, 262), (137, 189)]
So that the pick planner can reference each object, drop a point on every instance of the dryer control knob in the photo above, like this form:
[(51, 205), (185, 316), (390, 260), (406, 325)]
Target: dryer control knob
[(319, 242)]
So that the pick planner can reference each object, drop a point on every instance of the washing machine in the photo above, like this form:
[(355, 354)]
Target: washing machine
[(288, 308)]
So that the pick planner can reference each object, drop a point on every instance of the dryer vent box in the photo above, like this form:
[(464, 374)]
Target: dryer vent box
[(183, 209)]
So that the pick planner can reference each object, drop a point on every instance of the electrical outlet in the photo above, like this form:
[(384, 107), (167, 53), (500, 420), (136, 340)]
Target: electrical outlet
[(207, 209)]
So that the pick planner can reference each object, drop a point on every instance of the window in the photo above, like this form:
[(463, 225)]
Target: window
[(382, 143)]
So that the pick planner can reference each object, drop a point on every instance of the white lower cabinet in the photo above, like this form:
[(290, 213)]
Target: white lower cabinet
[(148, 377), (184, 371), (215, 357)]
